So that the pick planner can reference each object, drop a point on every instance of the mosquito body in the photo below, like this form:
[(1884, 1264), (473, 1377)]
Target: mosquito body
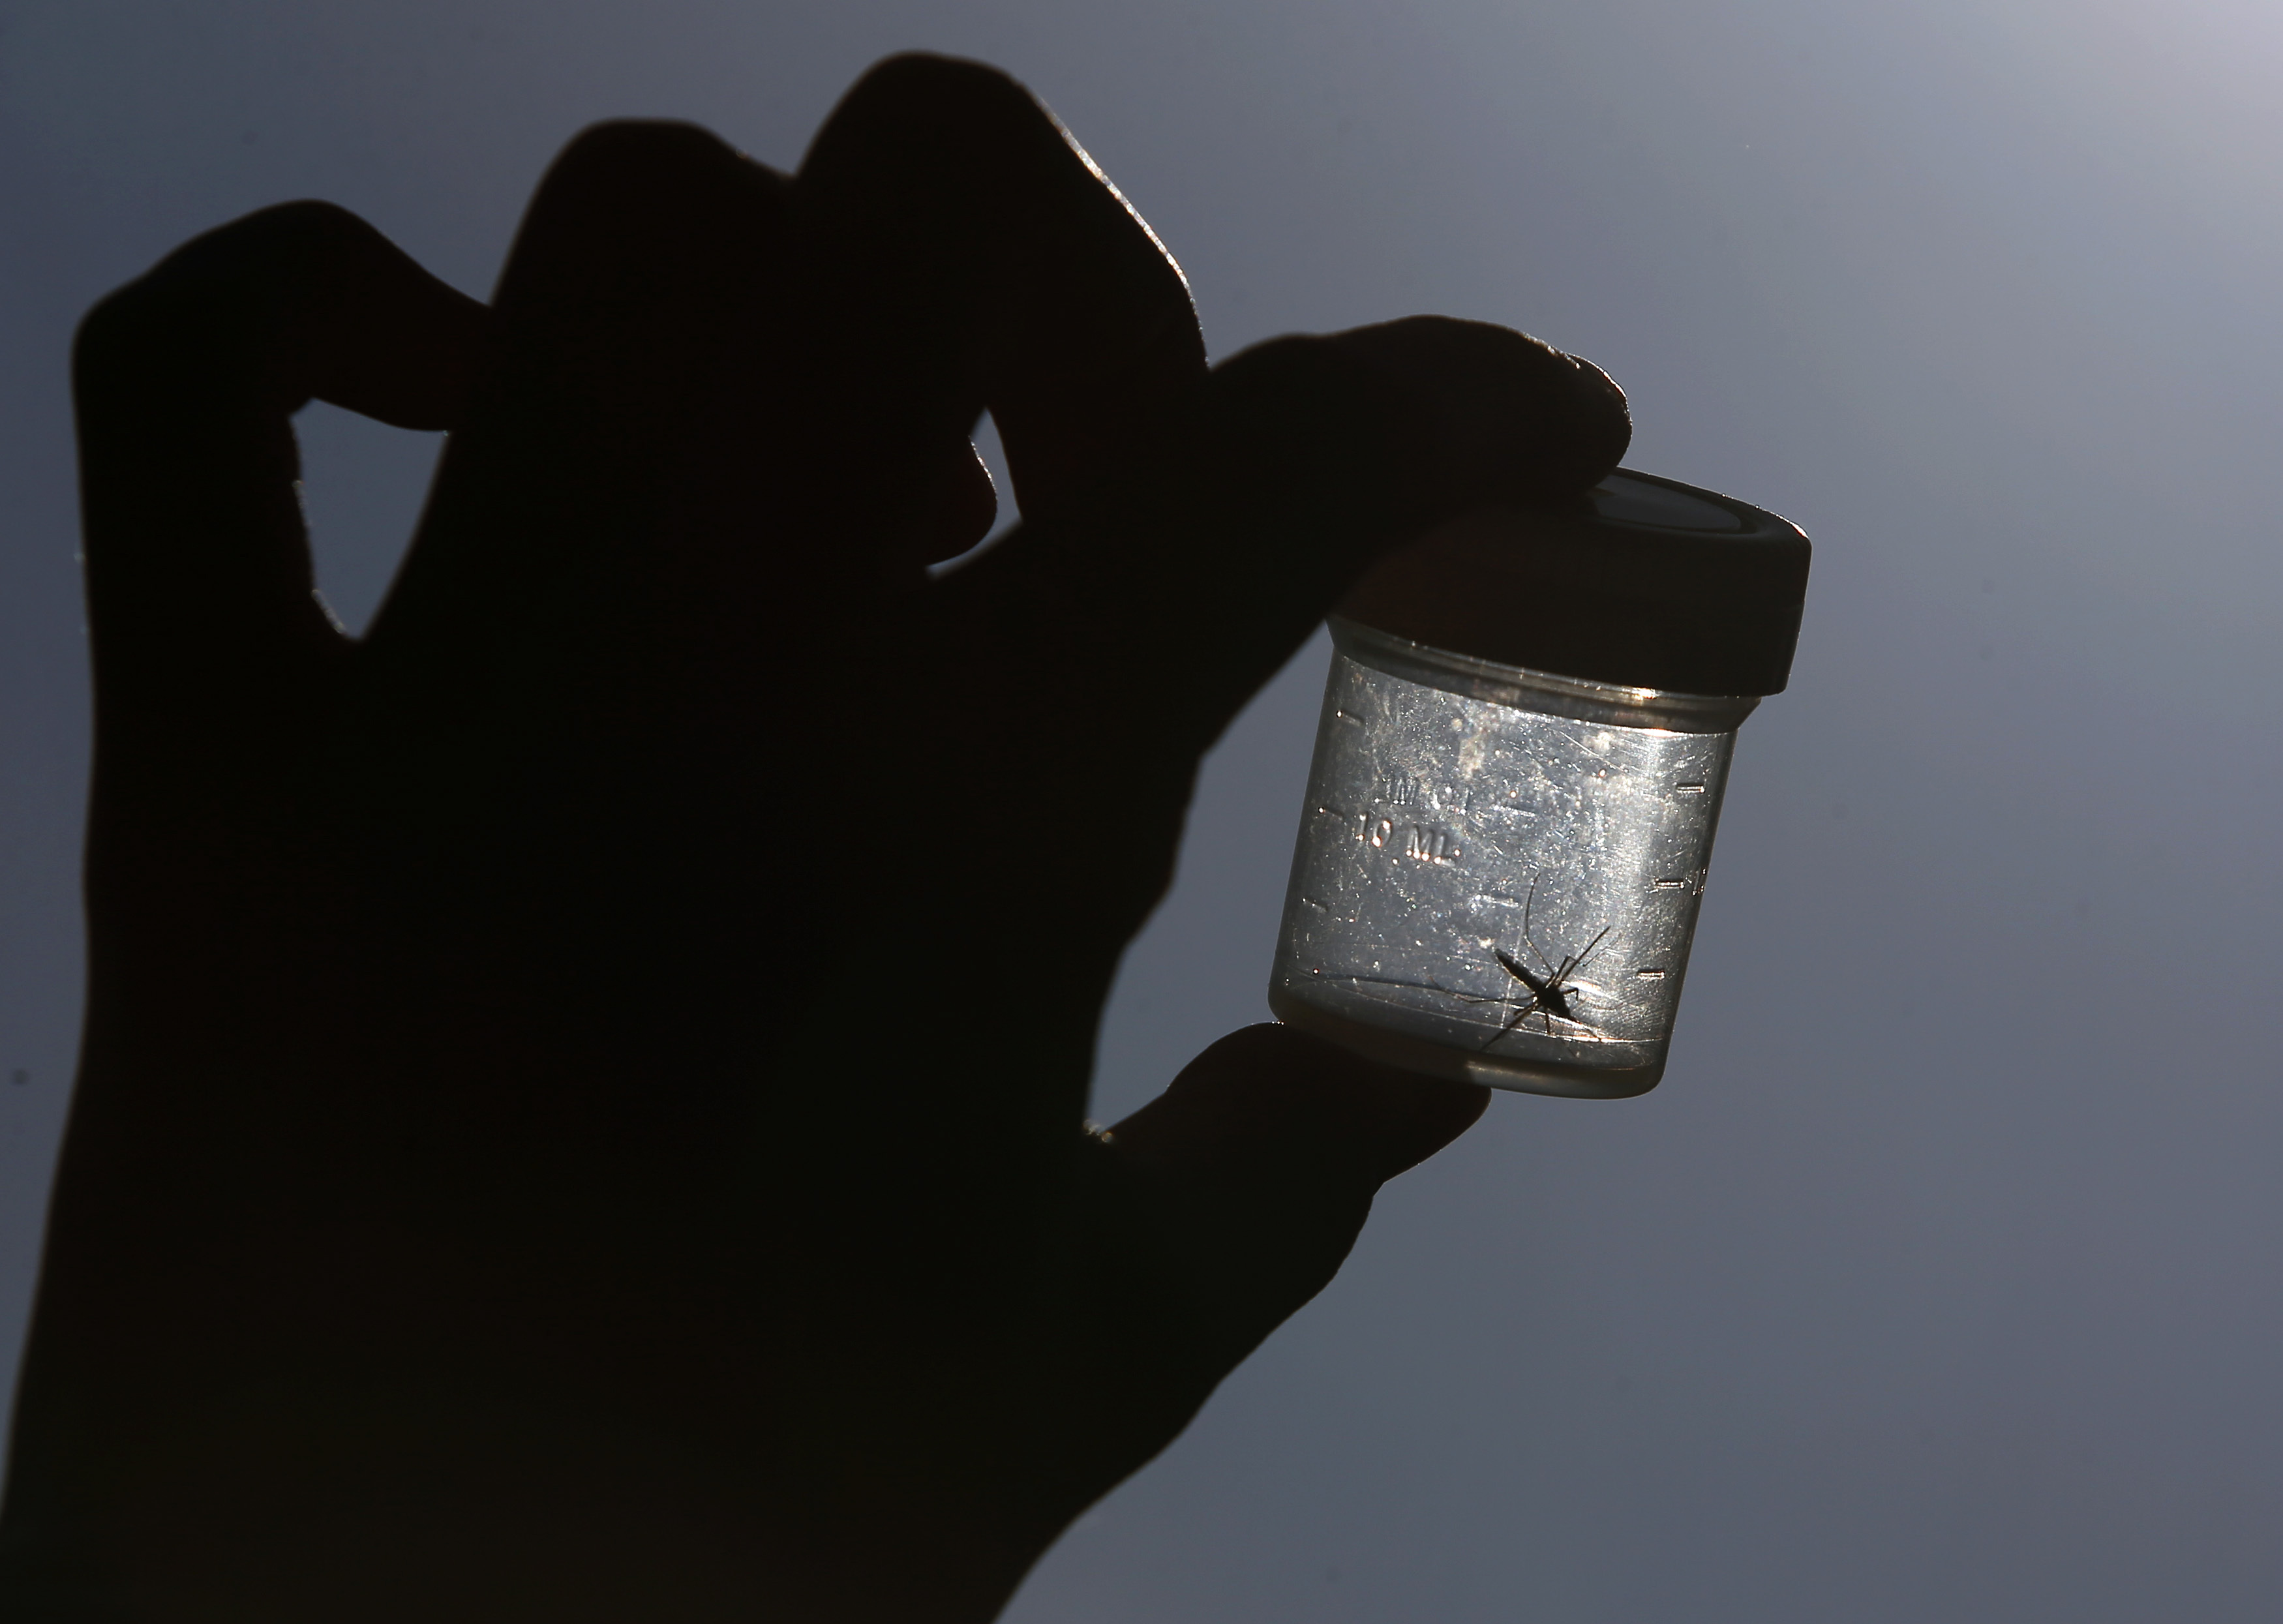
[(1550, 992)]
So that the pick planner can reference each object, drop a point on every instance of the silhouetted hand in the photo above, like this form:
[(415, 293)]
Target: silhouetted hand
[(581, 1115)]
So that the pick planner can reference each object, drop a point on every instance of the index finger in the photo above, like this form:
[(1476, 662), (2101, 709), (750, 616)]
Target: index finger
[(200, 598)]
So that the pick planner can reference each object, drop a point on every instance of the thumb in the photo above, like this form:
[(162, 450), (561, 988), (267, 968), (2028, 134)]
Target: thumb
[(1264, 1156), (1217, 1210)]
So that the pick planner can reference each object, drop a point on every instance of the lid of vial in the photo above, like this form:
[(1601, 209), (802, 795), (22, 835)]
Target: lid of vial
[(1640, 581)]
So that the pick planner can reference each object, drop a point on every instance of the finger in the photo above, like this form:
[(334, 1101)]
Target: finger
[(1271, 1105), (962, 251), (201, 602), (633, 319), (1308, 459), (1240, 1191)]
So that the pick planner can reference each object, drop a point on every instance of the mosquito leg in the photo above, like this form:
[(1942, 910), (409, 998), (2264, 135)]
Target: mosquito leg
[(1515, 1020), (1572, 965), (1529, 936), (1418, 986), (1424, 986)]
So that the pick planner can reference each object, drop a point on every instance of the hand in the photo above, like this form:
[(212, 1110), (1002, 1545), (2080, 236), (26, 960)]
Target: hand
[(581, 1112)]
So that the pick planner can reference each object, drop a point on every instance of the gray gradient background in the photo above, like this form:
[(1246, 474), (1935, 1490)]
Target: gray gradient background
[(1937, 1280)]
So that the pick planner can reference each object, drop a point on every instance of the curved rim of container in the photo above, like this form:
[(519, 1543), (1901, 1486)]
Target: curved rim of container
[(1581, 698), (1555, 1079)]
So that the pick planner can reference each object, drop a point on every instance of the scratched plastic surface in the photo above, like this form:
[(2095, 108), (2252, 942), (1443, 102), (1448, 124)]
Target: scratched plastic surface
[(1502, 888)]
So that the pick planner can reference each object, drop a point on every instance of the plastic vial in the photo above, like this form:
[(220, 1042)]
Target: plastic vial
[(1518, 772)]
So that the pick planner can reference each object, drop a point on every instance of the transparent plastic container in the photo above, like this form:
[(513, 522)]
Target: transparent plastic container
[(1518, 775)]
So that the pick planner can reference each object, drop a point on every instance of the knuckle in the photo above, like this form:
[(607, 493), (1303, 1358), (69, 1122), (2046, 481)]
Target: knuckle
[(107, 332), (223, 319), (940, 113), (926, 76), (633, 152)]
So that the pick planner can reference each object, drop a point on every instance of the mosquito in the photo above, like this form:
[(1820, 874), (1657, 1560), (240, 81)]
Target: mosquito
[(1550, 993)]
